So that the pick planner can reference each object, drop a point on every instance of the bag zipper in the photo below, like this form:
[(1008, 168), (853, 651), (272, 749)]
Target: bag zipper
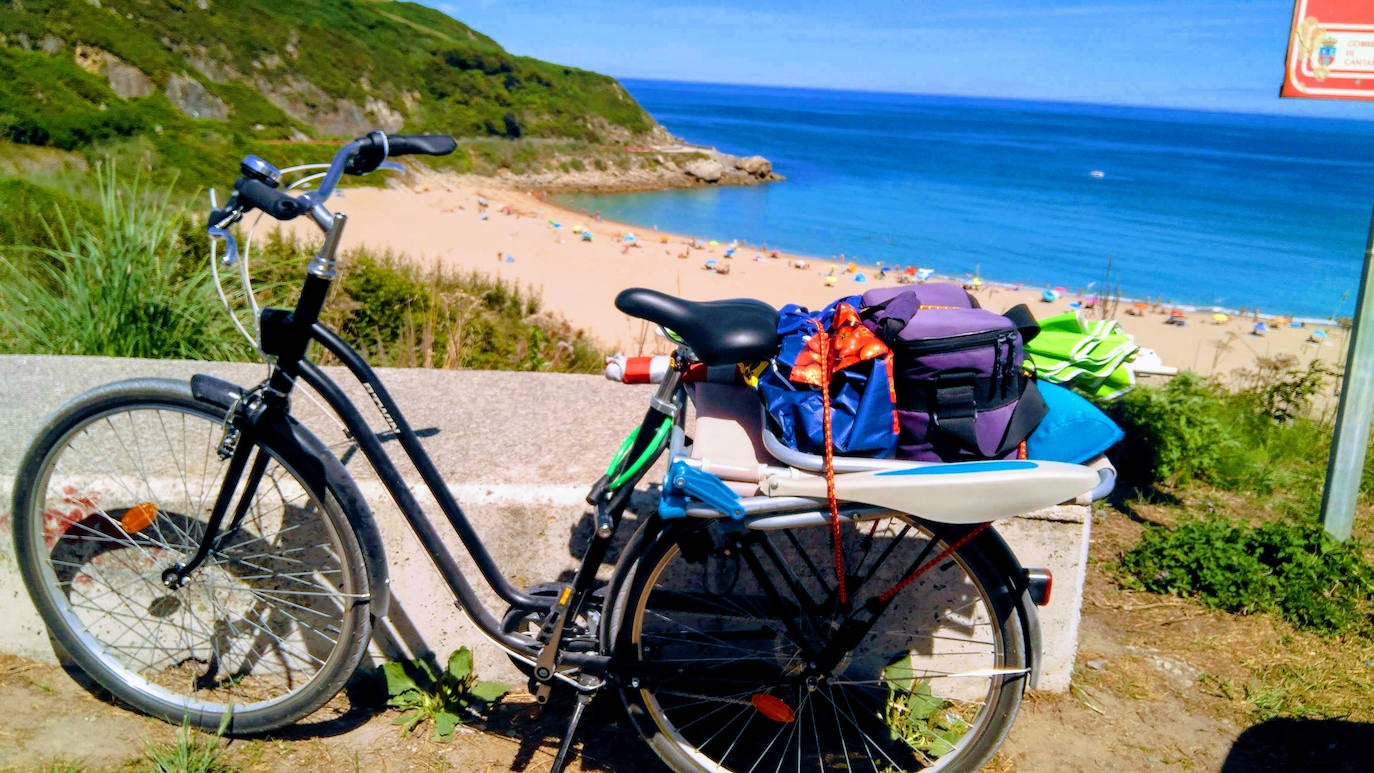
[(950, 343), (997, 384)]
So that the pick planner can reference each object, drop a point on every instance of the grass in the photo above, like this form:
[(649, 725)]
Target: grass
[(121, 282)]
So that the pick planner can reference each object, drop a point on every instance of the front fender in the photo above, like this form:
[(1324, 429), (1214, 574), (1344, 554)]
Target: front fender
[(327, 473)]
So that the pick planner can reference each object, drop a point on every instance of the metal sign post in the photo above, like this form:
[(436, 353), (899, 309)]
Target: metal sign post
[(1356, 411), (1331, 56)]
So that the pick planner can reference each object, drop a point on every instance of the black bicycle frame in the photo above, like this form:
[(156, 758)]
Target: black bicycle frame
[(285, 336)]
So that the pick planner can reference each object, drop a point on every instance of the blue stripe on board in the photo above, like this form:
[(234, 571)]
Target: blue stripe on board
[(955, 468)]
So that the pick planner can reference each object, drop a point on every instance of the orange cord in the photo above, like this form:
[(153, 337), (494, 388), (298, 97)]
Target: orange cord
[(827, 368)]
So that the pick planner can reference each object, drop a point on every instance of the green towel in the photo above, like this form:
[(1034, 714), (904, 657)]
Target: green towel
[(1091, 356)]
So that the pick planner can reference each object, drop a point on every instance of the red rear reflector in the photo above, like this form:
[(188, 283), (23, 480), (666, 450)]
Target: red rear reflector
[(138, 517), (1039, 582), (772, 707)]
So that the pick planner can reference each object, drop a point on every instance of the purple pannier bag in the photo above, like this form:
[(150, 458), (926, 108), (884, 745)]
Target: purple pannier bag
[(962, 394)]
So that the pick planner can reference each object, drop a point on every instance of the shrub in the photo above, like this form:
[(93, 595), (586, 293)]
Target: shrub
[(1295, 571), (401, 315), (1172, 432)]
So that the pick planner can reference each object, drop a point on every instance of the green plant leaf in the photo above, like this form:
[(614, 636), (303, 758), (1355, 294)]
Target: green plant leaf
[(409, 721), (410, 699), (398, 680), (921, 704), (444, 723), (460, 664), (488, 691)]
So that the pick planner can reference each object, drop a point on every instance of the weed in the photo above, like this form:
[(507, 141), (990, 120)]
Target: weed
[(1279, 388), (923, 720), (447, 697), (191, 752)]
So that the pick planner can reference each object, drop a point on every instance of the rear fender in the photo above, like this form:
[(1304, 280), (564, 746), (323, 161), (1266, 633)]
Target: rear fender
[(326, 472), (1010, 568)]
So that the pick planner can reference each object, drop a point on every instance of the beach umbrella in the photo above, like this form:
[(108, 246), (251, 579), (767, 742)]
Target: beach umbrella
[(1049, 296), (1176, 314), (1260, 328), (860, 278), (923, 274), (586, 236), (1219, 318), (830, 280), (909, 270), (713, 242), (629, 237)]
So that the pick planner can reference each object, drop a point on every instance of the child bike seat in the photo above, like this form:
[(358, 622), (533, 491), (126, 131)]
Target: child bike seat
[(719, 332)]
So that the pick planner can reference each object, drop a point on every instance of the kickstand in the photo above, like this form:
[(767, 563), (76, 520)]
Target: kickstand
[(583, 698)]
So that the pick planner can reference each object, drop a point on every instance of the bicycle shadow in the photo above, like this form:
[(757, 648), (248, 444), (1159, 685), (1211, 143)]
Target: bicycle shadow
[(1302, 744)]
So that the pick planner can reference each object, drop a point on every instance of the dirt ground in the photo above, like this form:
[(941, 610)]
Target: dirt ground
[(1158, 685)]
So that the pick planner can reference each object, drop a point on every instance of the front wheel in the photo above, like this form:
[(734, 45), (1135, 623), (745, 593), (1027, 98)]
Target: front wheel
[(117, 488), (741, 658)]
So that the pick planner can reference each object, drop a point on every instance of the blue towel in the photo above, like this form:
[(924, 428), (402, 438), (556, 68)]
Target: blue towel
[(1073, 431)]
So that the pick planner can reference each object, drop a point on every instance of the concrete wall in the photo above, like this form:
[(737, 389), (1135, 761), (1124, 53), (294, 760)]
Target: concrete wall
[(520, 451)]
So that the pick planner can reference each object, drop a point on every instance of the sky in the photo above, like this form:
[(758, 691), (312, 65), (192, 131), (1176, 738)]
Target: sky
[(1207, 54)]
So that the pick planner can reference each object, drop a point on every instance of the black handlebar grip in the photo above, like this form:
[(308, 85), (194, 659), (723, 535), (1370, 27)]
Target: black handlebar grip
[(420, 144), (259, 195)]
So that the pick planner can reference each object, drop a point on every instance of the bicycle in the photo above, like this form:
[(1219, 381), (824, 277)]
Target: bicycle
[(202, 556)]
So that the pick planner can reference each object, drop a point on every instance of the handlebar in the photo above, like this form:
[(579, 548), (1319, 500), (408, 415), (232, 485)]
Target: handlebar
[(256, 188)]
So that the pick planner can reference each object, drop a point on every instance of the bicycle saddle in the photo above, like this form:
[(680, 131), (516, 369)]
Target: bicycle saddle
[(720, 332)]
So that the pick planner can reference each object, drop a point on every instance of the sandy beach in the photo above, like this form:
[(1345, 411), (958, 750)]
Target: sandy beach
[(475, 224)]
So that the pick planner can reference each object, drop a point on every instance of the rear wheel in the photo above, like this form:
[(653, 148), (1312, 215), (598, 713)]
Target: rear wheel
[(116, 489), (742, 659)]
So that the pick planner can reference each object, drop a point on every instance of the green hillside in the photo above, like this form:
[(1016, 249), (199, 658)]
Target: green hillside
[(201, 80)]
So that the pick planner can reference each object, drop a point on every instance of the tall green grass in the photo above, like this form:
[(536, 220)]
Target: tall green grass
[(126, 276), (120, 281)]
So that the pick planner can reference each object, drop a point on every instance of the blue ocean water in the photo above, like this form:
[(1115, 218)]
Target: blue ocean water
[(1209, 209)]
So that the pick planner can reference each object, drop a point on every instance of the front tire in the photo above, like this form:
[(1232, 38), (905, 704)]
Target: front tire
[(118, 487)]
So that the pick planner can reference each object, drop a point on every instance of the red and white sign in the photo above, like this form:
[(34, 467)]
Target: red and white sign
[(1331, 50)]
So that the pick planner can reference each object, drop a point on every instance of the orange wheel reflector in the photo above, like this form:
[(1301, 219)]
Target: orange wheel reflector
[(772, 707), (138, 517)]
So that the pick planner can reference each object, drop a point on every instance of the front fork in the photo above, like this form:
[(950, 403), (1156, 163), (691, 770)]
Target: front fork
[(242, 417)]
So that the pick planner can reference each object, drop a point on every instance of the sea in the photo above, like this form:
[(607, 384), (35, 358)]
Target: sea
[(1183, 207)]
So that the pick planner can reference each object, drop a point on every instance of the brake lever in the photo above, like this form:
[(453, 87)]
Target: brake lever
[(231, 246), (221, 218)]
